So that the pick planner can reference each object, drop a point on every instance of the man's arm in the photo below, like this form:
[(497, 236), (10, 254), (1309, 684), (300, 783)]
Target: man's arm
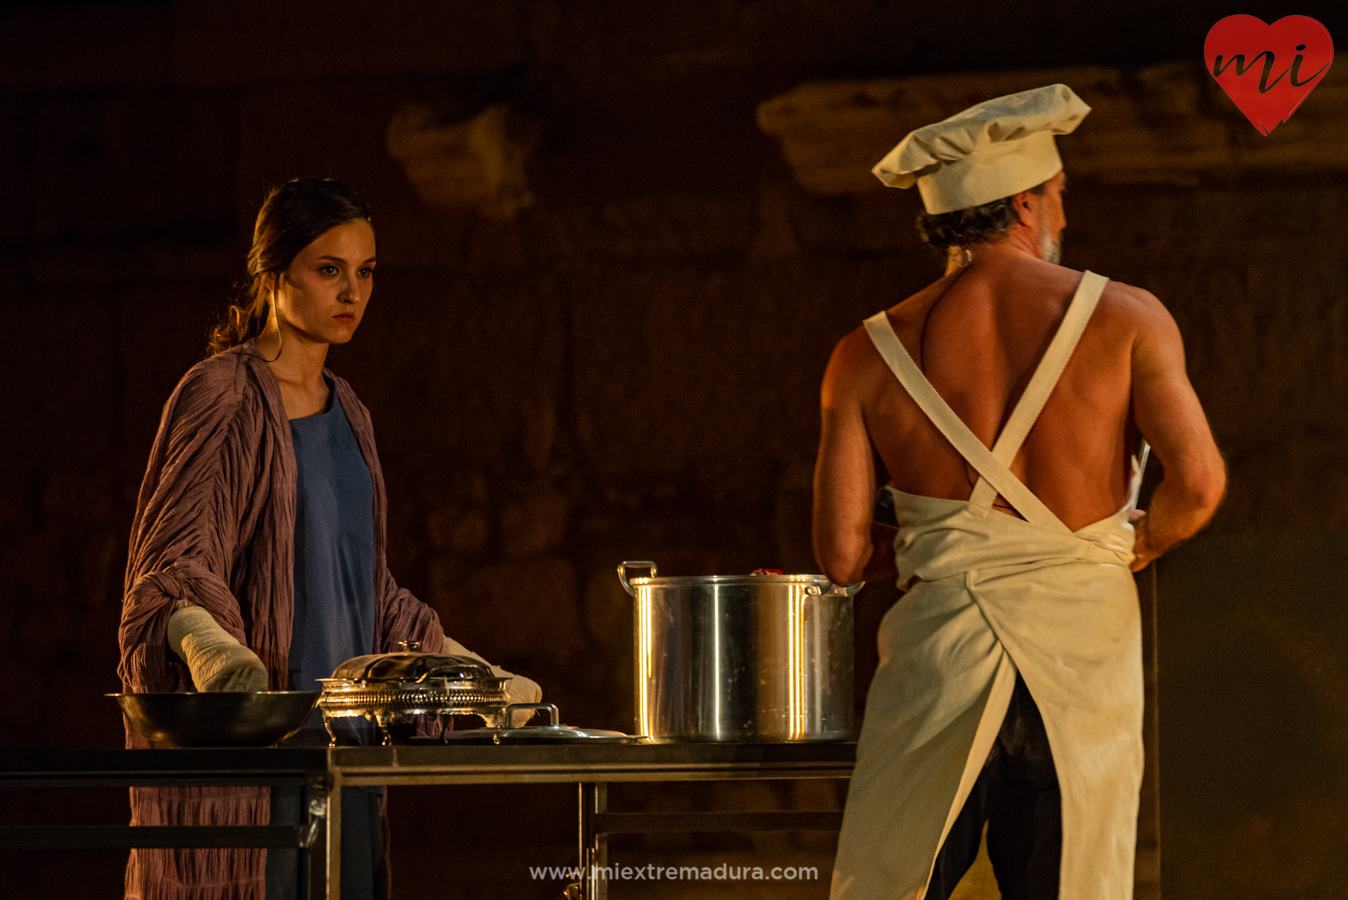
[(845, 475), (1169, 416)]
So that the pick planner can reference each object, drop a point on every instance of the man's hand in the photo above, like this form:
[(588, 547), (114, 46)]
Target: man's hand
[(1167, 413), (1143, 554), (881, 566)]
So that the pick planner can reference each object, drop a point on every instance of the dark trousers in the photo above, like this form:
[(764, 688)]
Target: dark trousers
[(363, 876), (1017, 796)]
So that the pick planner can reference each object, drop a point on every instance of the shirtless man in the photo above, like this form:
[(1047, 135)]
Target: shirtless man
[(978, 334)]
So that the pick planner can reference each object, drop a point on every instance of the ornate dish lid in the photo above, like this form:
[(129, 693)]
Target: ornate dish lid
[(411, 666)]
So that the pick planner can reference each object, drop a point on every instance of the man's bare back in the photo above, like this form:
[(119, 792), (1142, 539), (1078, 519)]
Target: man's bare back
[(978, 333)]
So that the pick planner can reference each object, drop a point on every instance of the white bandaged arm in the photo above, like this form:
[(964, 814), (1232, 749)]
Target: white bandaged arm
[(518, 689), (217, 661)]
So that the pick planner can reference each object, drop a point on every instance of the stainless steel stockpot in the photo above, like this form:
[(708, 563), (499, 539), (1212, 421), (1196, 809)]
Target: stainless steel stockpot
[(742, 657)]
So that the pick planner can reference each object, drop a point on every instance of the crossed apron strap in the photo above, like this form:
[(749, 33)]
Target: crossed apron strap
[(992, 465), (1044, 380)]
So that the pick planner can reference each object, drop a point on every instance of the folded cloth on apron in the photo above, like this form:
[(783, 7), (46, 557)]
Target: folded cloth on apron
[(990, 595)]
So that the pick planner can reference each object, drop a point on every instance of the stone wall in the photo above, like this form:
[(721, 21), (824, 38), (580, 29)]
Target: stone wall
[(627, 366)]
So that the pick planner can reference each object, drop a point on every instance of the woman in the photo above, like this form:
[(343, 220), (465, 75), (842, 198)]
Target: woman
[(257, 554)]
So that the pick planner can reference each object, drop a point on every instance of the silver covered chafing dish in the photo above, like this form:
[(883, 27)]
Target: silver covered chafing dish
[(387, 687)]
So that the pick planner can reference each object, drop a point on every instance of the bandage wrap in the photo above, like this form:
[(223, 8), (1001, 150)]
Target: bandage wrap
[(518, 689), (216, 660)]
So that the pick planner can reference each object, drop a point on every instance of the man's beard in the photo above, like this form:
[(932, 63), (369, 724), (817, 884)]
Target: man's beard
[(1050, 248)]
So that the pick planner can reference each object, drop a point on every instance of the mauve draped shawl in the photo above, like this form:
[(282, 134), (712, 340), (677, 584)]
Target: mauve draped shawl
[(215, 524)]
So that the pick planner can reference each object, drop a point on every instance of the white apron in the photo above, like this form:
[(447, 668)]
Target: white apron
[(990, 595)]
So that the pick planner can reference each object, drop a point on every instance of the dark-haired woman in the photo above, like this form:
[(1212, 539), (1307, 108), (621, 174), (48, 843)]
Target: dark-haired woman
[(257, 555)]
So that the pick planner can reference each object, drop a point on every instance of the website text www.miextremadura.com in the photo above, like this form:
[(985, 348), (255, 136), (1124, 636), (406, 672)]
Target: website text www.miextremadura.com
[(653, 872)]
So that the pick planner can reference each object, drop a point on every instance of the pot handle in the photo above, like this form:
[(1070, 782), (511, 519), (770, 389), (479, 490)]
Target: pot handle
[(636, 564), (551, 708), (846, 589)]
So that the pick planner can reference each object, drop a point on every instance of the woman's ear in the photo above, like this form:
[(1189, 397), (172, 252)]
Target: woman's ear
[(273, 289)]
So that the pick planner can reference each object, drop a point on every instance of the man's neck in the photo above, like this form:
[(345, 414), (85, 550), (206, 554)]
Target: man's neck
[(1016, 244)]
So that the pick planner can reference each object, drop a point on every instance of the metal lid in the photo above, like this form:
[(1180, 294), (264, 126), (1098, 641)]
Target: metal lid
[(411, 666), (538, 733), (541, 734), (814, 583)]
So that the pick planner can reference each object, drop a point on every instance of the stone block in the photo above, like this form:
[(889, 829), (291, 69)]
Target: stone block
[(42, 578), (1244, 308), (102, 561), (1163, 124), (463, 531), (83, 497), (1270, 485), (61, 387), (134, 165), (258, 41), (608, 50), (456, 501), (17, 162), (333, 128), (658, 225), (534, 522), (337, 127), (833, 132), (608, 613), (661, 382), (1245, 704), (792, 517), (106, 45), (793, 223), (476, 165), (445, 486), (478, 374), (178, 312), (521, 613), (680, 366), (446, 575), (107, 263)]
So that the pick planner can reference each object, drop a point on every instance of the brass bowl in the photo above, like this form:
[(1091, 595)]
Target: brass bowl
[(227, 719)]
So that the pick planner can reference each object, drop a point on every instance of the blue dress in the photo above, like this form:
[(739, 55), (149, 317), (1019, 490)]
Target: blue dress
[(334, 621)]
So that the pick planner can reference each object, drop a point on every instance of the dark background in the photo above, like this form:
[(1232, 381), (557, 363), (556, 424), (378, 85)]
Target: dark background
[(628, 369)]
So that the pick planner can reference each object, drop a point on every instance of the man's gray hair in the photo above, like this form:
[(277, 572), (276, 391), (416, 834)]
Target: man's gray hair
[(974, 225)]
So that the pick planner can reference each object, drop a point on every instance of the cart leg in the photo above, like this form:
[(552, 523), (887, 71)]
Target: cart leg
[(315, 871), (593, 844), (334, 861)]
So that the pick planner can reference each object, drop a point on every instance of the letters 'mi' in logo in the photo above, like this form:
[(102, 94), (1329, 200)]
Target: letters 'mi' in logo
[(1243, 54)]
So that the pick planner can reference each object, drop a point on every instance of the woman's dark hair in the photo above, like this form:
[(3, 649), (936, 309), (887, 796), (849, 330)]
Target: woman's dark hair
[(292, 217), (974, 225)]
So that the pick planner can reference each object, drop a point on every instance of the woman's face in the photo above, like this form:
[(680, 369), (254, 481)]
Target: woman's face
[(322, 295)]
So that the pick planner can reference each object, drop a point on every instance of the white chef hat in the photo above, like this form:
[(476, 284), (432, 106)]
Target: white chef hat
[(993, 150)]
